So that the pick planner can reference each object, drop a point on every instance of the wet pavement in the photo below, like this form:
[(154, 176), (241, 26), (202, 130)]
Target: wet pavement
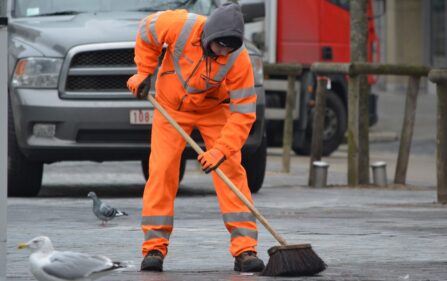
[(362, 233)]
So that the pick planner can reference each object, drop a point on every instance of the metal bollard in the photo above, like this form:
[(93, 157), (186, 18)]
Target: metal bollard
[(379, 173), (320, 174)]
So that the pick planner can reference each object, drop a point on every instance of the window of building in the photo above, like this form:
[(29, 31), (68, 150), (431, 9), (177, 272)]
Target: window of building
[(438, 44)]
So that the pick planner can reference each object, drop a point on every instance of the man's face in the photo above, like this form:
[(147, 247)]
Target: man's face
[(220, 50)]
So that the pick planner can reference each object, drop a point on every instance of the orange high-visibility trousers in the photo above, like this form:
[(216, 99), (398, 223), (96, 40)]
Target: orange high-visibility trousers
[(160, 191)]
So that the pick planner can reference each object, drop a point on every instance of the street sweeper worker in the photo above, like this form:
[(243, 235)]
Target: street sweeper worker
[(206, 82)]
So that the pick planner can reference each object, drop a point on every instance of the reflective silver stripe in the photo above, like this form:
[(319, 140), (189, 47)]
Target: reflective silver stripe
[(225, 68), (243, 108), (242, 93), (184, 35), (239, 217), (143, 32), (181, 42), (152, 234), (237, 232), (193, 90), (157, 220), (152, 27)]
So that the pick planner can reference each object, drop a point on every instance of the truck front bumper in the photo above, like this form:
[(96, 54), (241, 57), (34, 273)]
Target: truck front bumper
[(51, 129)]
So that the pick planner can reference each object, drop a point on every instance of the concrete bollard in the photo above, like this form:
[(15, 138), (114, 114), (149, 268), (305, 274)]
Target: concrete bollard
[(320, 174), (379, 173)]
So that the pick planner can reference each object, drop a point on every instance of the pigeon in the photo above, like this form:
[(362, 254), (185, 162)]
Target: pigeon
[(50, 265), (103, 211)]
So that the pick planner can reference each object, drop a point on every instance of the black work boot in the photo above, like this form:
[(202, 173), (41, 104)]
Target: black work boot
[(248, 262), (153, 261)]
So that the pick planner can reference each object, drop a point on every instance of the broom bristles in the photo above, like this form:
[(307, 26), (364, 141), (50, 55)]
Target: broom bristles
[(293, 260)]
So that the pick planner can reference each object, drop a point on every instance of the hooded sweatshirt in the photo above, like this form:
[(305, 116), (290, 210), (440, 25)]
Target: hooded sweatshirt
[(225, 21)]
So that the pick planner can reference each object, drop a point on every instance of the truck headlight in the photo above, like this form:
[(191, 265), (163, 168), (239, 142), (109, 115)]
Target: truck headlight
[(37, 73), (258, 72)]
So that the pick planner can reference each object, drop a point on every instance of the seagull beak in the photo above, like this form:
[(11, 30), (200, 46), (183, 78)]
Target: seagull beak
[(22, 246)]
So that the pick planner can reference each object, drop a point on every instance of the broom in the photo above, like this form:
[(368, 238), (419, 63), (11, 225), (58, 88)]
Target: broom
[(285, 260)]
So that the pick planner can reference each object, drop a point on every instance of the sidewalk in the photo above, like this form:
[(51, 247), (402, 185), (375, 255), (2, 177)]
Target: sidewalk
[(361, 233)]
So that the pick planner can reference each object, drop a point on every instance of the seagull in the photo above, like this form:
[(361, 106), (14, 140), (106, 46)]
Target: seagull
[(50, 265), (103, 211)]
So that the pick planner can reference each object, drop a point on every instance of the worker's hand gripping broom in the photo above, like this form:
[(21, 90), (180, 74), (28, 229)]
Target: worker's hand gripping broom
[(285, 260)]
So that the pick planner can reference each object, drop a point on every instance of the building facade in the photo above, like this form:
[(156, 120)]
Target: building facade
[(412, 32)]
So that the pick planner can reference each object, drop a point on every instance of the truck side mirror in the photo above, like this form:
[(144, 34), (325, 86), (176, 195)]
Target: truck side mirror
[(253, 11)]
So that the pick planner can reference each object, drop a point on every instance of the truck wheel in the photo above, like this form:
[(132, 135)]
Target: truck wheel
[(24, 176), (254, 165), (335, 122), (145, 167)]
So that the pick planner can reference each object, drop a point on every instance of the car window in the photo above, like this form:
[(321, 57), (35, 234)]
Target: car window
[(203, 7), (341, 3), (33, 8)]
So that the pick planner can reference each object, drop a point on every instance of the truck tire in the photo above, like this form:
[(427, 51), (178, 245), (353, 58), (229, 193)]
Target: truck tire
[(145, 167), (335, 123), (24, 176), (254, 165)]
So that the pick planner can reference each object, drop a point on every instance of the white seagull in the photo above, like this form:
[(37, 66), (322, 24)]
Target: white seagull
[(50, 265)]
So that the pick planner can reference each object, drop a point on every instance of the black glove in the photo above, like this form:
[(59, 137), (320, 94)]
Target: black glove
[(144, 88)]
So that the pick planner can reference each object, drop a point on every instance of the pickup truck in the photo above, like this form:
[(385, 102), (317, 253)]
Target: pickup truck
[(68, 64)]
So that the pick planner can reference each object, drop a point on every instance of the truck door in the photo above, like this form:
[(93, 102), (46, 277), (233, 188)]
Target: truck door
[(297, 31), (334, 38)]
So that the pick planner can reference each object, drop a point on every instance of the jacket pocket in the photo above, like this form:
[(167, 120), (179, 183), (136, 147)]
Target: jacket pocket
[(169, 88), (209, 82), (167, 73)]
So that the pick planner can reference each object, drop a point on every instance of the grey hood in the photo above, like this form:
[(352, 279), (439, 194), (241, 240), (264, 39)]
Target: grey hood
[(54, 36), (225, 21)]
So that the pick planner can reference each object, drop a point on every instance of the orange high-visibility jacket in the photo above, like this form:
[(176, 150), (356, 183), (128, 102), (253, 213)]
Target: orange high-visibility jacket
[(190, 80)]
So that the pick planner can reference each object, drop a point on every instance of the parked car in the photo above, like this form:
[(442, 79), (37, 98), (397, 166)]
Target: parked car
[(68, 64)]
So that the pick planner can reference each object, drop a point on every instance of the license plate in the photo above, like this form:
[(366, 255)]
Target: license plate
[(140, 116)]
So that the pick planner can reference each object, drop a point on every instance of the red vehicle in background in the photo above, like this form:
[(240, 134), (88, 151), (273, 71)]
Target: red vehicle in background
[(308, 31)]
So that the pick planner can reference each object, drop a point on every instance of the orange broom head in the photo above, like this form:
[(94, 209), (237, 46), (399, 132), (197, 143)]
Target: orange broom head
[(293, 260)]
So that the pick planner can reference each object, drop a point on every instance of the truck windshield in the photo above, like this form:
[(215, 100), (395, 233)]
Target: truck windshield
[(36, 8)]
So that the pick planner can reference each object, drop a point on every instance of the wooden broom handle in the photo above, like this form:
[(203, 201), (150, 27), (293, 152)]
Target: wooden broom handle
[(219, 172)]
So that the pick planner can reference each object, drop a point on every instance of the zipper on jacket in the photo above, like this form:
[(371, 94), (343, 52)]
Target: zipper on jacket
[(187, 80), (193, 71), (181, 102)]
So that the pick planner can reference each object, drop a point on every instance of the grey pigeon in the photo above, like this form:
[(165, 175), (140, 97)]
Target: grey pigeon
[(103, 211), (50, 265)]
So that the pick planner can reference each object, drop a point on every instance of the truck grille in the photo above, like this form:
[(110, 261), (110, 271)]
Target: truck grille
[(123, 57), (98, 71), (97, 83)]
